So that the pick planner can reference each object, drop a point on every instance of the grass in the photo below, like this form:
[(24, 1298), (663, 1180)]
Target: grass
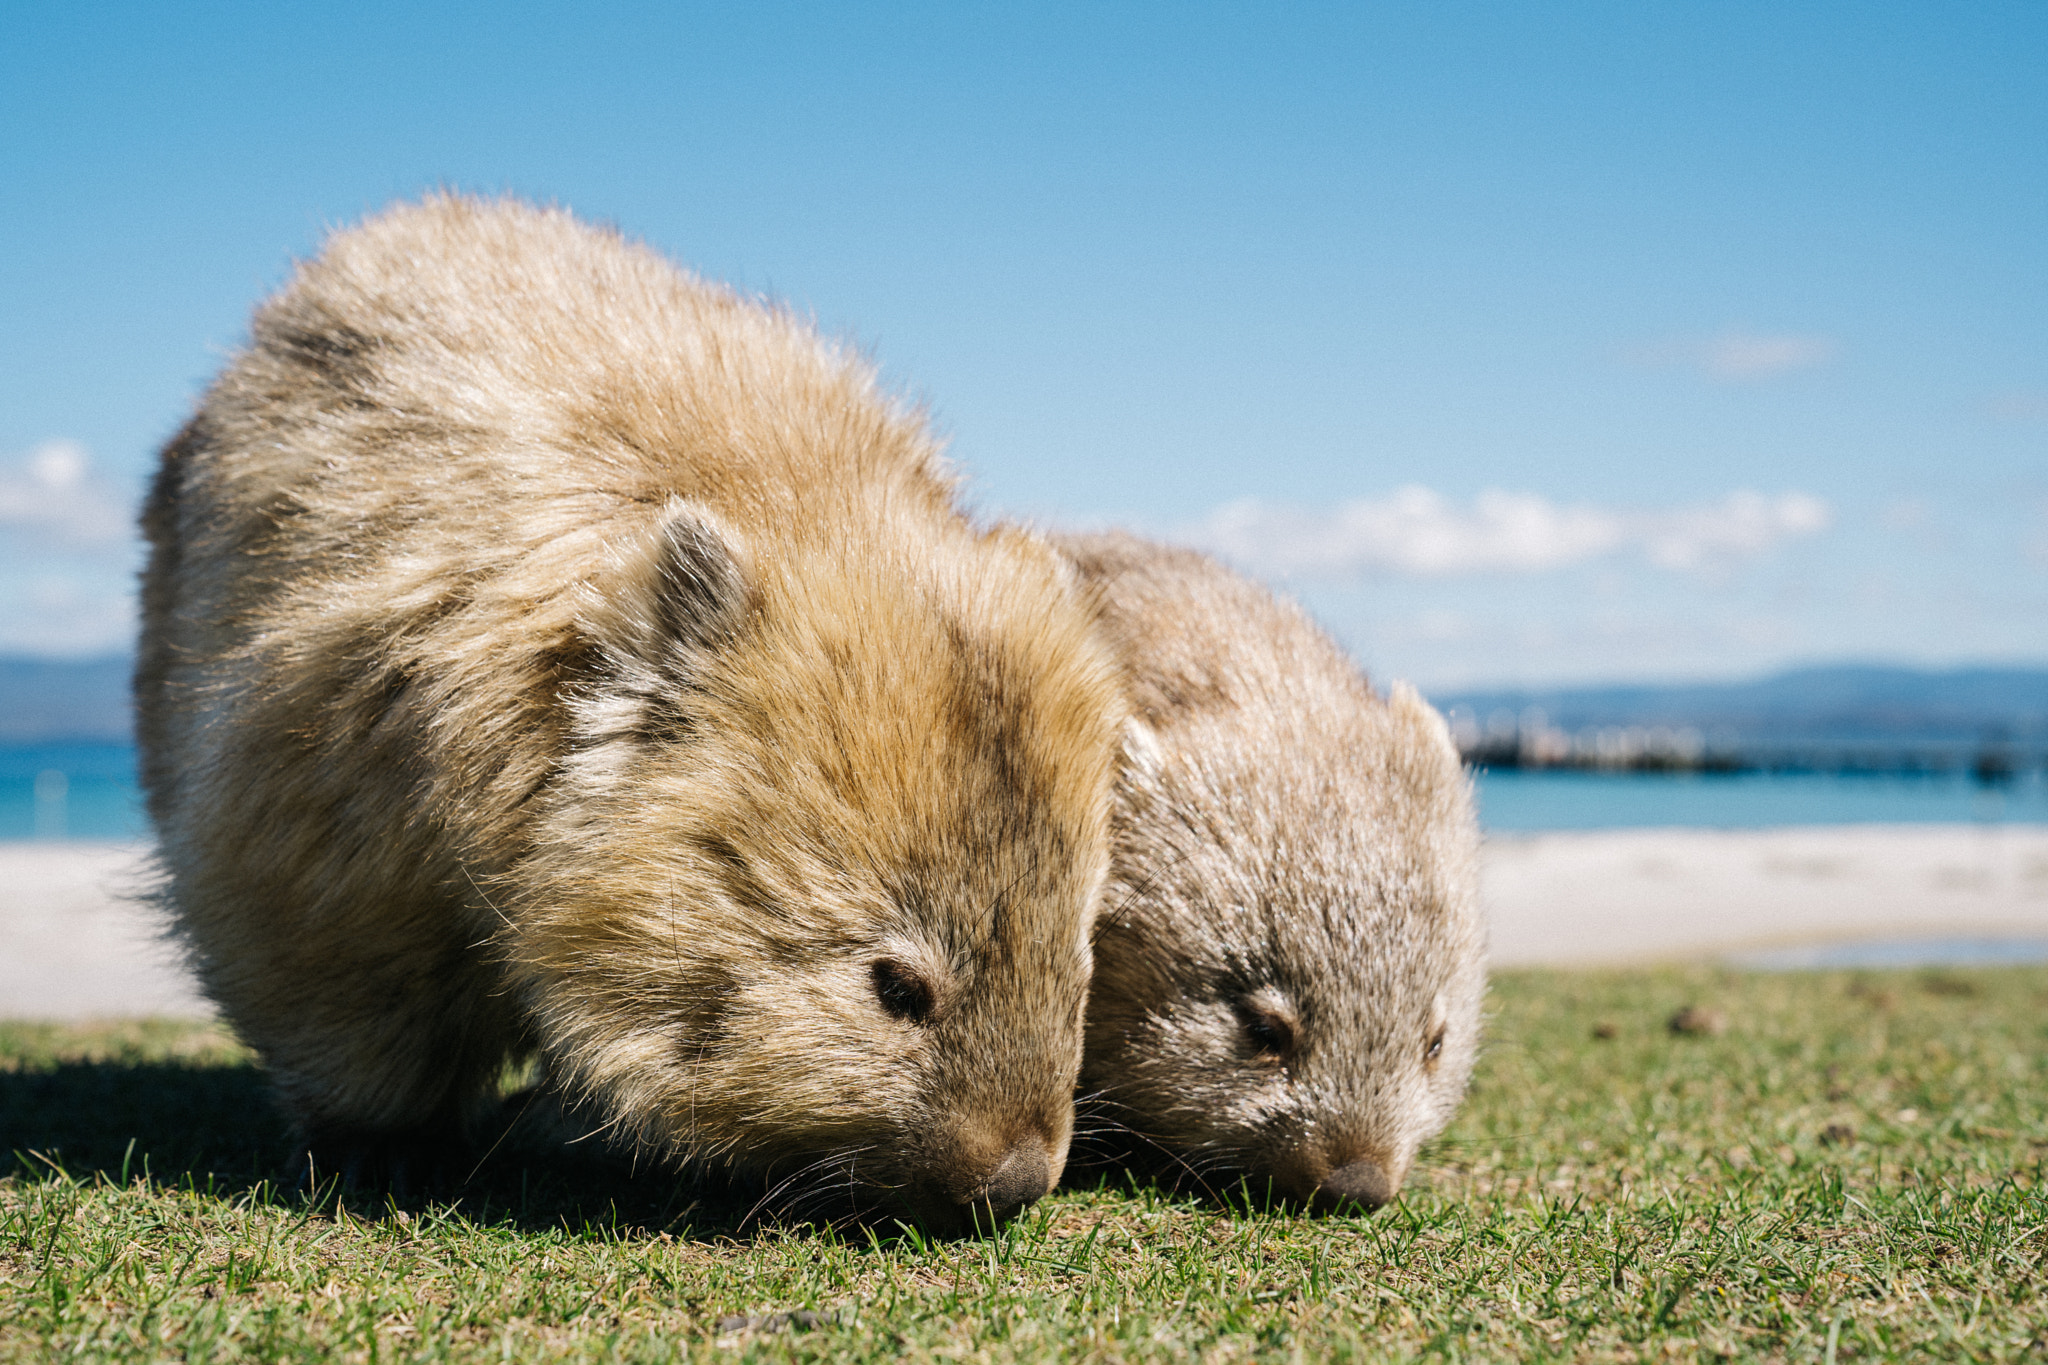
[(1851, 1170)]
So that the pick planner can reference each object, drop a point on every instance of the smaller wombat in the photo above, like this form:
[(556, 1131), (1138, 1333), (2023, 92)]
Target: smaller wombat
[(1290, 961)]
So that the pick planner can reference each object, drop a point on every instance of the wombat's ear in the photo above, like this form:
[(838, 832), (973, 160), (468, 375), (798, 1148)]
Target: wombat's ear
[(676, 591)]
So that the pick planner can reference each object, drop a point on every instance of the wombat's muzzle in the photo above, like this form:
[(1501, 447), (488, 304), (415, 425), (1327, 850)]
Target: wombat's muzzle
[(1364, 1183), (1022, 1178)]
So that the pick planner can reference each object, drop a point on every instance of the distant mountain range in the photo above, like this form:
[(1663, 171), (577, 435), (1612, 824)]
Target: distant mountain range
[(44, 702), (1839, 702)]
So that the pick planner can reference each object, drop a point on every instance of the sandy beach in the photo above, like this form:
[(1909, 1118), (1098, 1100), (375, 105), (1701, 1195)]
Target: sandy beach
[(1616, 897), (76, 942)]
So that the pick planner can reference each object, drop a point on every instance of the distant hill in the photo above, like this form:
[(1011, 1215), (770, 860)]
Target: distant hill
[(1840, 702), (45, 701)]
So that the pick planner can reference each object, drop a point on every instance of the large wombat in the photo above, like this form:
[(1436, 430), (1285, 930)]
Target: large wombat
[(547, 652), (1289, 963)]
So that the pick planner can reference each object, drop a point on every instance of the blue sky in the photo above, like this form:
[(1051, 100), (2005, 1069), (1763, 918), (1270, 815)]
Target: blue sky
[(1524, 342)]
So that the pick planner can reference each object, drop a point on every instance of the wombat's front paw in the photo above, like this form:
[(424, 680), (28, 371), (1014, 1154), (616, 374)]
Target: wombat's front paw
[(406, 1163)]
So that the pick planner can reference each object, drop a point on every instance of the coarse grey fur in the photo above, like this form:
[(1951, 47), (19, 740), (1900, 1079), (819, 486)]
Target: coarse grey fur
[(1290, 962)]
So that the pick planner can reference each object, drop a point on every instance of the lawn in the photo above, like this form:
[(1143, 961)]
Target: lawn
[(1849, 1168)]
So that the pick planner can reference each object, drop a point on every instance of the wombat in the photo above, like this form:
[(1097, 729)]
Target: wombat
[(546, 653), (1290, 962)]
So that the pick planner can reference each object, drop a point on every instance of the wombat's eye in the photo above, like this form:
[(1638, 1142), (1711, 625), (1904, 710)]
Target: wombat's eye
[(902, 990), (1436, 1043), (1272, 1034)]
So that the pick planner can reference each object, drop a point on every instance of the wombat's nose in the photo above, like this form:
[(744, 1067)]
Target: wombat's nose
[(1021, 1178), (1365, 1183)]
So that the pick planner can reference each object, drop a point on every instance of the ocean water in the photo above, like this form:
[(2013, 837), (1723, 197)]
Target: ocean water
[(88, 792), (1526, 800), (71, 791)]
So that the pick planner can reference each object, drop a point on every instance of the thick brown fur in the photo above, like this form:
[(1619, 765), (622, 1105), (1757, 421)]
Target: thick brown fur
[(545, 651), (1290, 961)]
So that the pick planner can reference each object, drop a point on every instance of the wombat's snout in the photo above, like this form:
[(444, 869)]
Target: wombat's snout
[(988, 1198), (1022, 1178), (1364, 1182)]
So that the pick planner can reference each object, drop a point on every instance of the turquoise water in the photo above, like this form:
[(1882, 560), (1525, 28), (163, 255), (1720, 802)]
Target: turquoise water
[(1520, 800), (97, 799), (73, 791)]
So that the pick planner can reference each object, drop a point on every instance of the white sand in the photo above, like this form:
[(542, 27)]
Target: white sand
[(75, 943), (1621, 896)]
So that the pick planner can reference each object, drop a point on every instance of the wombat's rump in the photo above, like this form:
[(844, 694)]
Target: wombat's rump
[(544, 651), (1289, 961)]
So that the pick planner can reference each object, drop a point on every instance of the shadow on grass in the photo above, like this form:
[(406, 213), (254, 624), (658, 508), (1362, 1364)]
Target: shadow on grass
[(207, 1123), (183, 1120), (213, 1128)]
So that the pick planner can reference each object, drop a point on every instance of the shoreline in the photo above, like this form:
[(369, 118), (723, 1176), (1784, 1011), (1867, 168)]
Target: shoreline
[(78, 941)]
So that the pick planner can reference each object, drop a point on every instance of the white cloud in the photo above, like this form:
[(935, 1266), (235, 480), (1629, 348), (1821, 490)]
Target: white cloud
[(52, 494), (1416, 532), (1740, 356), (67, 555), (1741, 526)]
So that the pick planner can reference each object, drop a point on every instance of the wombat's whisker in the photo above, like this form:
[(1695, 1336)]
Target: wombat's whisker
[(995, 909), (504, 1132), (489, 904), (614, 1124), (795, 1180), (1144, 888)]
